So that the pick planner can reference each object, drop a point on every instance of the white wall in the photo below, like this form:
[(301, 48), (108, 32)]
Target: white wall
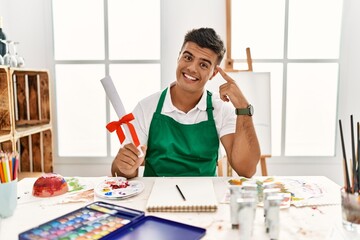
[(180, 17), (29, 22)]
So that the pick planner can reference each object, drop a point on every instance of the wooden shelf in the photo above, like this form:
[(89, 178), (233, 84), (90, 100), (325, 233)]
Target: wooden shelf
[(5, 137), (26, 131), (25, 117), (5, 99)]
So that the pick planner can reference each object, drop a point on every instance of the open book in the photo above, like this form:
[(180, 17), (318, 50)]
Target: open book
[(199, 195)]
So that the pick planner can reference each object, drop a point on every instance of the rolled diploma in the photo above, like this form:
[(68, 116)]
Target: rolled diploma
[(118, 106)]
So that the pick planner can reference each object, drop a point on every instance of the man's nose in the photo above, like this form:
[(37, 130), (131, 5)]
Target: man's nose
[(192, 67)]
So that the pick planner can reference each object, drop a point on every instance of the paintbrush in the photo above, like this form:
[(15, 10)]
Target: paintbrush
[(354, 162), (358, 157), (347, 181)]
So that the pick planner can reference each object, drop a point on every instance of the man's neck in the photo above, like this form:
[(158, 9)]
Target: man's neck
[(182, 100)]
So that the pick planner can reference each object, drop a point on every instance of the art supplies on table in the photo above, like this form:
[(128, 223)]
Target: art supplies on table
[(350, 205), (352, 177), (101, 220), (118, 188), (9, 166), (182, 195), (50, 185), (296, 191)]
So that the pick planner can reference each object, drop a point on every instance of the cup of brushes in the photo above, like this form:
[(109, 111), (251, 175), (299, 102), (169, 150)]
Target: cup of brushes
[(350, 193)]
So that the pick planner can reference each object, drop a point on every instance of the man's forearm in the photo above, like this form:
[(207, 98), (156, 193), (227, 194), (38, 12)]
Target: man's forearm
[(245, 153)]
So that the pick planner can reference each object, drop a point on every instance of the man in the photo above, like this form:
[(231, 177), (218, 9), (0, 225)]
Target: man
[(180, 127)]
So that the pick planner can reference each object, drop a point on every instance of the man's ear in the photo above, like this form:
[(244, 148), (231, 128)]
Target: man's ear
[(214, 73)]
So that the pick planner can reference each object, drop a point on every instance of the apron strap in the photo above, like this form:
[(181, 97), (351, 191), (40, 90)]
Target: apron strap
[(209, 107), (161, 101)]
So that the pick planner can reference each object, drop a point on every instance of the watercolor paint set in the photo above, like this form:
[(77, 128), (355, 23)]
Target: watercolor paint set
[(101, 220)]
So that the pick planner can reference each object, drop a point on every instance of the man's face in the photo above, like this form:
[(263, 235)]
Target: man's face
[(195, 67)]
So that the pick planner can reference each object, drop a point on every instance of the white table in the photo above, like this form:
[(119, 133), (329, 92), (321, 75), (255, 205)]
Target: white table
[(322, 222)]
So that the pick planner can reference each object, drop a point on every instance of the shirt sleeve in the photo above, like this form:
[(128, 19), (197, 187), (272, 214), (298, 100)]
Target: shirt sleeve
[(228, 122), (224, 115)]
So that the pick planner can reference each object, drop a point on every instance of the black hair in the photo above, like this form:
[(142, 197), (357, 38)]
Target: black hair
[(206, 38)]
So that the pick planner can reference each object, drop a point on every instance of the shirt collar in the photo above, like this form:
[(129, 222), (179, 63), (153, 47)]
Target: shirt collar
[(169, 107)]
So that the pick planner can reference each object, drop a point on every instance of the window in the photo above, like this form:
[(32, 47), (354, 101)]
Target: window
[(297, 41), (300, 49), (101, 42)]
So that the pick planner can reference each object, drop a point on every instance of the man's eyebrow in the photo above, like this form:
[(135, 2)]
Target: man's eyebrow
[(203, 59)]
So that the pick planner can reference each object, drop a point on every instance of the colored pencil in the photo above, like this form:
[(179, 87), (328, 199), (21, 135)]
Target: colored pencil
[(347, 180), (6, 170), (16, 168), (8, 158), (2, 177)]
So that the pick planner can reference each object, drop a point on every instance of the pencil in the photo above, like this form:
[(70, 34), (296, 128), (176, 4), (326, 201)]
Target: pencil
[(2, 177), (16, 168), (6, 170), (182, 195), (8, 158)]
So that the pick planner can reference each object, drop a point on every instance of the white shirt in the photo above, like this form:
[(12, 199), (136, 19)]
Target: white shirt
[(224, 114)]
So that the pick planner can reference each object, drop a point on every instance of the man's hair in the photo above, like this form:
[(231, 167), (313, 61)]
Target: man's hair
[(206, 38)]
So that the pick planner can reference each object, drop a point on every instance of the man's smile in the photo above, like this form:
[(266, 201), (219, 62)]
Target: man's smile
[(190, 77)]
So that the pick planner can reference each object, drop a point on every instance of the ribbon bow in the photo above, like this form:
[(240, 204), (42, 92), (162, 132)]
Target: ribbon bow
[(116, 125)]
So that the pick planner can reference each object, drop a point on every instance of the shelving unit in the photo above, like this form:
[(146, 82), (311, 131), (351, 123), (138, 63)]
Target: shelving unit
[(25, 117)]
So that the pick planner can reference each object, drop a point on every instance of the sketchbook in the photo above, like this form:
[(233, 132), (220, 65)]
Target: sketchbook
[(199, 195)]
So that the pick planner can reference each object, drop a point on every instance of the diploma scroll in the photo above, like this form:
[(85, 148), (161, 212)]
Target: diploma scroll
[(124, 129)]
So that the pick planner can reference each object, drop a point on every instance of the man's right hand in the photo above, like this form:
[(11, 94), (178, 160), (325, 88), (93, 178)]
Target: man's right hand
[(127, 162)]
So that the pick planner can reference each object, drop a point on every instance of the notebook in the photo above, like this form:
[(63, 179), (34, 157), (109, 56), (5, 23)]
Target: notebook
[(199, 195)]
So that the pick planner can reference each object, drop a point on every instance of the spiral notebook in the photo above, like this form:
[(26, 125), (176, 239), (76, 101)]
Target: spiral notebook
[(192, 195)]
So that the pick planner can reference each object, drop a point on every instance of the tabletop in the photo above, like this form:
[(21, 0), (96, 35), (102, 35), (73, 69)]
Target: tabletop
[(318, 219)]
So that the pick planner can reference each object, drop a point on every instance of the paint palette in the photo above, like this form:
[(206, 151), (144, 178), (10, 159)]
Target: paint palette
[(107, 221), (94, 221), (118, 188)]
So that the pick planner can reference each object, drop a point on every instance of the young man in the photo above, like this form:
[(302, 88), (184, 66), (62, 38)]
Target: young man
[(180, 127)]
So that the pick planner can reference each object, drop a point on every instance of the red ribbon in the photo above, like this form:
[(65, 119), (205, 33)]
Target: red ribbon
[(116, 125)]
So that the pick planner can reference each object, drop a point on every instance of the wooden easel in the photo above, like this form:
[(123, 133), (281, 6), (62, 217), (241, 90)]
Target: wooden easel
[(229, 67)]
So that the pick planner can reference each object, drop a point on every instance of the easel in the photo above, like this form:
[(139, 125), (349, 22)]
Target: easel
[(229, 67)]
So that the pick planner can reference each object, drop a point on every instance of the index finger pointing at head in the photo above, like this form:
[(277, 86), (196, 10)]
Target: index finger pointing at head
[(224, 74)]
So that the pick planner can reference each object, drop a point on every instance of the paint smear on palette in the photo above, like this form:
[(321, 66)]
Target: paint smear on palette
[(118, 188)]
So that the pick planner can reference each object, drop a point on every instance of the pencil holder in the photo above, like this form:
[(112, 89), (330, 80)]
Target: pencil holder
[(350, 208), (8, 198)]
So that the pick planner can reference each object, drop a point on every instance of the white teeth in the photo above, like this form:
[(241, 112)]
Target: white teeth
[(189, 77)]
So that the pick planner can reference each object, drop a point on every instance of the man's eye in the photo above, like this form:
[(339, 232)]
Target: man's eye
[(204, 65), (187, 57)]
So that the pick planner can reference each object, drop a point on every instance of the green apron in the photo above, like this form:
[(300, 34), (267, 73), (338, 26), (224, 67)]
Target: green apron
[(176, 149)]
